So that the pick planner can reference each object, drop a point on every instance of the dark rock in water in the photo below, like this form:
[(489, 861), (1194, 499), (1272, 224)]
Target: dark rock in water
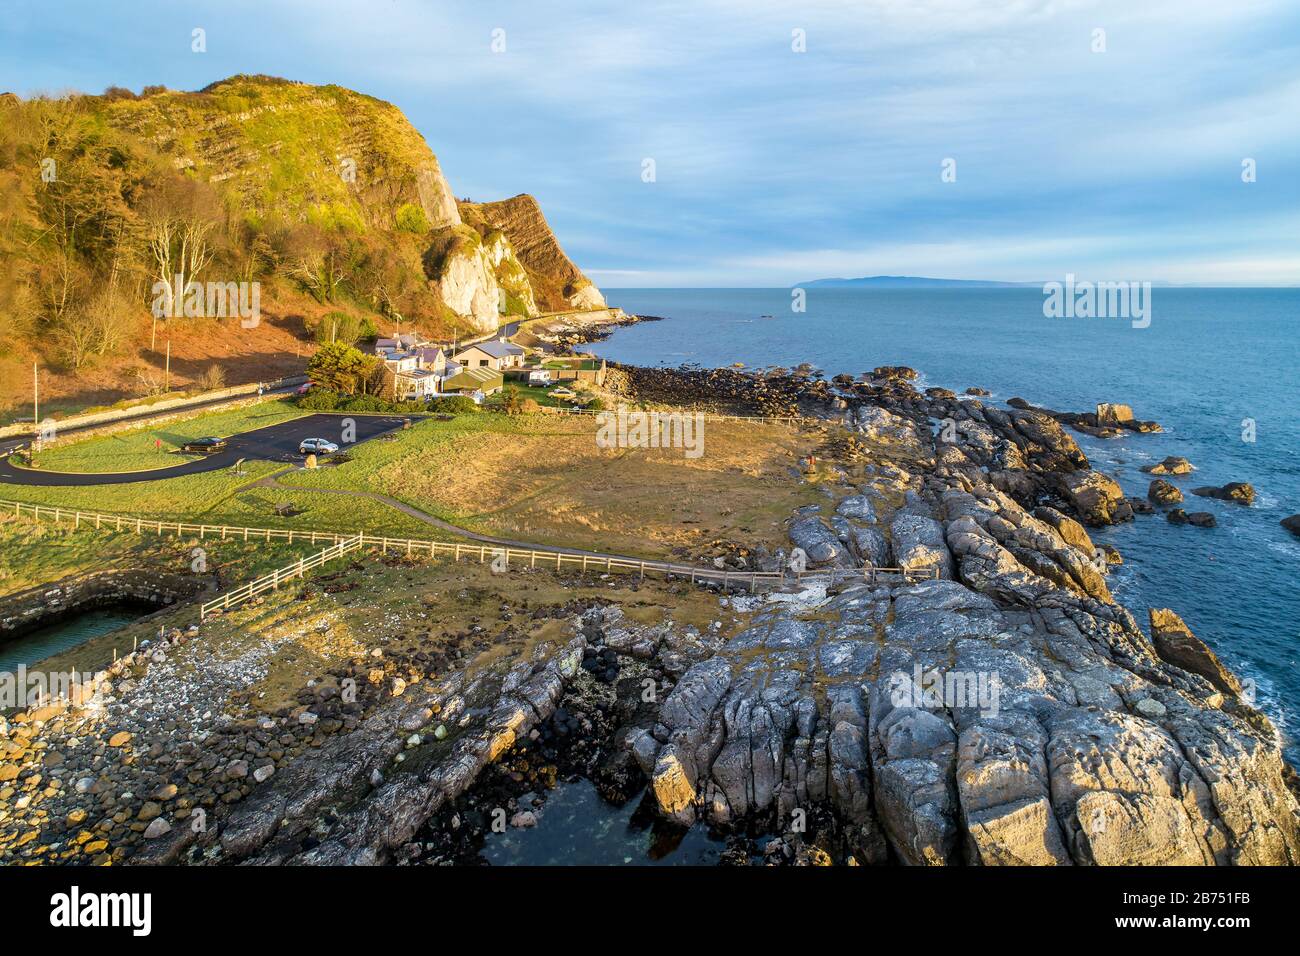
[(894, 372), (1108, 421), (1292, 524), (1163, 493), (1141, 506), (1172, 465), (936, 392), (975, 390), (1239, 491), (1175, 643), (1200, 519)]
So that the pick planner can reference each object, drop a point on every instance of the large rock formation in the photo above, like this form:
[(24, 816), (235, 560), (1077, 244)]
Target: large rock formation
[(557, 283), (285, 154), (1014, 715)]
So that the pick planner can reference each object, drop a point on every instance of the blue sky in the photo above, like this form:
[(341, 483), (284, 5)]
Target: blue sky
[(774, 166)]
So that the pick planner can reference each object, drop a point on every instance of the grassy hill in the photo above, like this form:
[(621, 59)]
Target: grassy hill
[(327, 199)]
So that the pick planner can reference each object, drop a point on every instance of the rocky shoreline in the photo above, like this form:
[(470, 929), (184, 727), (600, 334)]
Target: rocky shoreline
[(564, 335), (1006, 712)]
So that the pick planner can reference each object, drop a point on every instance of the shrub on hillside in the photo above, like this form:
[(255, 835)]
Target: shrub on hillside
[(366, 403), (320, 400), (411, 218), (453, 405)]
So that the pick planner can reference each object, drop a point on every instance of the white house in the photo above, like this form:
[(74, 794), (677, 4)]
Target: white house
[(496, 355)]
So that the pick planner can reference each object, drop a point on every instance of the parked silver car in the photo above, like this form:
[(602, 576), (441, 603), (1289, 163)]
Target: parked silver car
[(317, 446)]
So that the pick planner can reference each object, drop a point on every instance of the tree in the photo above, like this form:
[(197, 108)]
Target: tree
[(318, 260), (179, 216), (512, 402), (343, 368)]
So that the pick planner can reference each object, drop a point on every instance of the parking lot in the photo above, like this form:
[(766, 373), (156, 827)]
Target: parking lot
[(273, 443)]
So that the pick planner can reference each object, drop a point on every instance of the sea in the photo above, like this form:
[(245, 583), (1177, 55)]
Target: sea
[(1218, 368)]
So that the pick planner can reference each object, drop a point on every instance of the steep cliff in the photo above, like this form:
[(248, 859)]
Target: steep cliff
[(279, 148), (556, 282), (330, 199)]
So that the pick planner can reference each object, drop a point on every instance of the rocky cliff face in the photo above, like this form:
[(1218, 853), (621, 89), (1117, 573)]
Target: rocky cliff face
[(293, 152), (556, 282), (1007, 712)]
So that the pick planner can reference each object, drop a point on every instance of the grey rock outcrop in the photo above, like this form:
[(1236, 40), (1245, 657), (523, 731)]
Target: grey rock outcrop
[(1240, 492)]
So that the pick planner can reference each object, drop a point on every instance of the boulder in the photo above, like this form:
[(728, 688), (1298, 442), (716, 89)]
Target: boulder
[(919, 543), (1238, 491), (1110, 413), (819, 542), (1175, 643), (1292, 524), (858, 507), (1172, 465), (1067, 528), (873, 548), (1097, 498), (1163, 493)]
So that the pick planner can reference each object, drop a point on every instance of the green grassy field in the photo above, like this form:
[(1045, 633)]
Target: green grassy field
[(136, 448), (221, 497), (534, 477), (34, 553)]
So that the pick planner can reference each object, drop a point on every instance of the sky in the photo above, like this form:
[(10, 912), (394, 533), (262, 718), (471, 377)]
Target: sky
[(790, 141)]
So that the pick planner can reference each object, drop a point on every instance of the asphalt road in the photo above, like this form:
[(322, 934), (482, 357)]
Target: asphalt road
[(144, 416), (272, 443)]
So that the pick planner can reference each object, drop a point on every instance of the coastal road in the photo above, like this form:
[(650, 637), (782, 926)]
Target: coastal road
[(272, 443), (145, 416)]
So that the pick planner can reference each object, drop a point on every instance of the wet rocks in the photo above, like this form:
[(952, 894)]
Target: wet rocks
[(1172, 465), (1292, 524), (1175, 643), (1198, 519), (1240, 492), (1097, 498), (1163, 493)]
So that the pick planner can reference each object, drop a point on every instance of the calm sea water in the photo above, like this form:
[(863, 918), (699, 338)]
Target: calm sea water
[(576, 827), (1210, 359), (62, 636)]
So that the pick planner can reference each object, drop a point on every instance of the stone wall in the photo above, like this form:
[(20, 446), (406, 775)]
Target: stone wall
[(40, 606)]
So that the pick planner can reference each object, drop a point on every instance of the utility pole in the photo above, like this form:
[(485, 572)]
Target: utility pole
[(36, 394), (167, 373)]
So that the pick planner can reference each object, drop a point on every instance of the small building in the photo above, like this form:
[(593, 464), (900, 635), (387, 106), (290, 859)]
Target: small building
[(471, 380), (498, 354), (415, 385), (400, 343)]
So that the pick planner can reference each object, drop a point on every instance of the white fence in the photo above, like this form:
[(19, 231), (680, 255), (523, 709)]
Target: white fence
[(557, 558)]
